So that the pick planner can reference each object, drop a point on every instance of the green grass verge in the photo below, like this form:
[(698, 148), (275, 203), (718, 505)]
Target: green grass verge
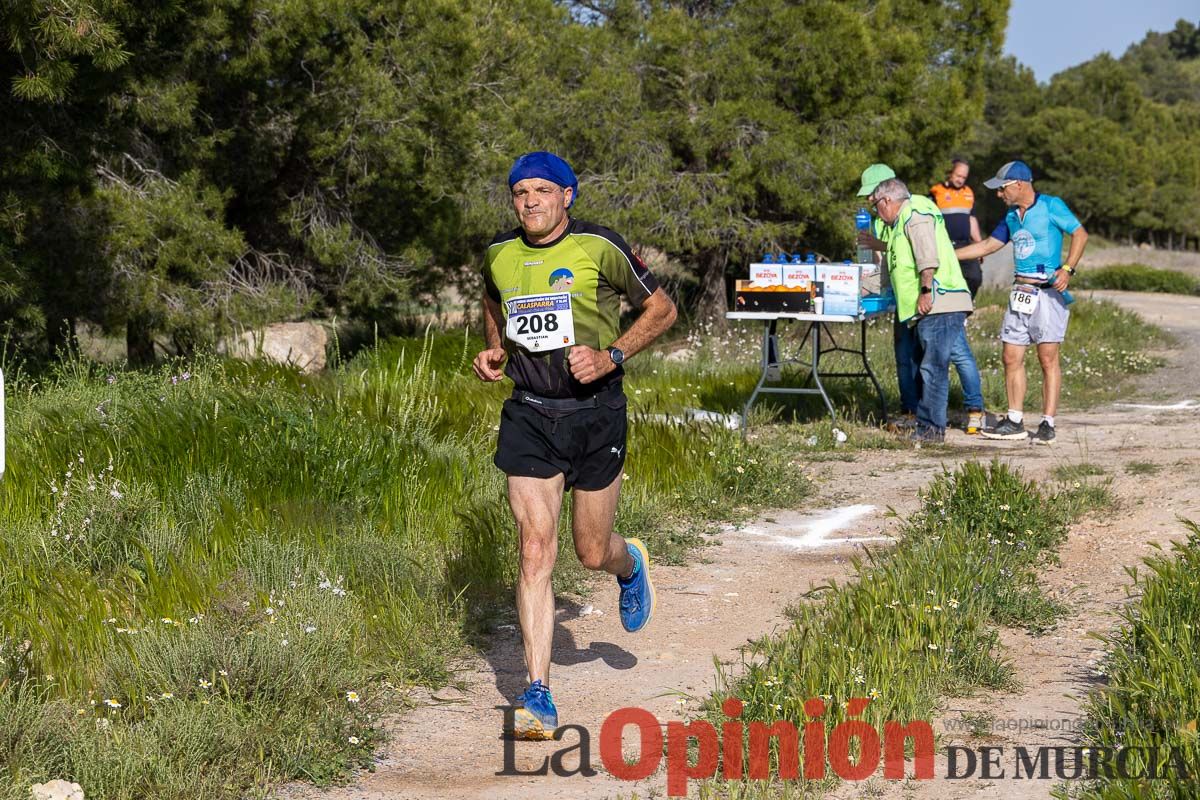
[(211, 574), (1137, 278), (1152, 697), (918, 622), (226, 550)]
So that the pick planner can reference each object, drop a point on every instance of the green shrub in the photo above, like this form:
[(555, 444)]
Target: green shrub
[(1137, 278), (919, 620), (1152, 696)]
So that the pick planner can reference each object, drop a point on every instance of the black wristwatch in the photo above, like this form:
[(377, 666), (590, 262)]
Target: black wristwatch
[(1070, 270), (926, 290), (617, 355)]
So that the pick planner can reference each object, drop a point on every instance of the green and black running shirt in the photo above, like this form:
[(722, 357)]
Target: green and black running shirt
[(563, 292)]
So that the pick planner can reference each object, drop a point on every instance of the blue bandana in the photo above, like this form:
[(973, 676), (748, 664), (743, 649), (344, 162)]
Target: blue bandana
[(545, 165)]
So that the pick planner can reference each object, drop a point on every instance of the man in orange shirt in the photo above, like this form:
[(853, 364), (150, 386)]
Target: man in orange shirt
[(956, 201), (957, 204)]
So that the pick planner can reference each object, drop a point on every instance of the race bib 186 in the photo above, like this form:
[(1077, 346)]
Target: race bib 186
[(1023, 299), (541, 322)]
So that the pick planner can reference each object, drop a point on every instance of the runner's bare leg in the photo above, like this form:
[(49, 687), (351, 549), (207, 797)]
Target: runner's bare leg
[(536, 503), (1051, 376), (1014, 375), (592, 517)]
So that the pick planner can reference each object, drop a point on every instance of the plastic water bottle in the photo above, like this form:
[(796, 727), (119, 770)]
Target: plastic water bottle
[(811, 258), (769, 258), (862, 222)]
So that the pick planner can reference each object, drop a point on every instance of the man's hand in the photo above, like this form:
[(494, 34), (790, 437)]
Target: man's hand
[(1061, 279), (588, 365), (868, 239), (924, 304), (488, 363)]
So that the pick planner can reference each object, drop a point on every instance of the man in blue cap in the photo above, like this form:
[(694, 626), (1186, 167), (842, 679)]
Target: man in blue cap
[(552, 311), (1037, 308)]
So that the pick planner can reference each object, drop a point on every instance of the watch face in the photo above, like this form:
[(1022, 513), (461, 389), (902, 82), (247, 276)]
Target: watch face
[(616, 355)]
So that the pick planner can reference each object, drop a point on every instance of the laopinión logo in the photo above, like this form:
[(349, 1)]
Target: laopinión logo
[(728, 750)]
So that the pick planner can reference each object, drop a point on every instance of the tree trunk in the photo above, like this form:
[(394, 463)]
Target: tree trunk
[(714, 301), (139, 344)]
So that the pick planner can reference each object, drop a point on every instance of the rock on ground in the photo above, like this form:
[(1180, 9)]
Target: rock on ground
[(56, 790), (300, 344)]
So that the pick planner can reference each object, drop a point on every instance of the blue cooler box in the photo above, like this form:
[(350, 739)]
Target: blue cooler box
[(874, 303)]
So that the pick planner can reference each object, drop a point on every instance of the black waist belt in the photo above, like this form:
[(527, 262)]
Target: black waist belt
[(566, 403)]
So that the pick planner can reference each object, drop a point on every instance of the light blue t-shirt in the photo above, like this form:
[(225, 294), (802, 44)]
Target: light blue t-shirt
[(1037, 239)]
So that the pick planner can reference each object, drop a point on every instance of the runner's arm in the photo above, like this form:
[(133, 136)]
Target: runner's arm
[(1079, 239), (976, 236), (658, 314), (488, 363), (979, 249), (491, 323), (1075, 252)]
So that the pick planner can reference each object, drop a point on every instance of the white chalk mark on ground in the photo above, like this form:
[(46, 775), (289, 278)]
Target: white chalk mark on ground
[(810, 531), (693, 415), (1183, 405)]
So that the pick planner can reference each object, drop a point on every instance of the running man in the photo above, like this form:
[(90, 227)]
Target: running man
[(1037, 309), (551, 310)]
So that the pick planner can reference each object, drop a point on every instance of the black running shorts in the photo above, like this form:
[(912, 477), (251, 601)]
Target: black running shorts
[(586, 445)]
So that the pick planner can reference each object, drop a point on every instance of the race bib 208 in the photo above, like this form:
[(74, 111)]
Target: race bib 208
[(541, 322)]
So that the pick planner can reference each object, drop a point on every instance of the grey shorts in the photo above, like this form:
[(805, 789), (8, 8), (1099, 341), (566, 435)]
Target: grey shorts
[(1047, 323)]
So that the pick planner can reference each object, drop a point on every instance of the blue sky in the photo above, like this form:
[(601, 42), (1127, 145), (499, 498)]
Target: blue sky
[(1051, 35)]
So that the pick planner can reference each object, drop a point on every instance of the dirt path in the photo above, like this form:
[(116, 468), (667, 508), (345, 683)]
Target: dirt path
[(449, 746), (1156, 426)]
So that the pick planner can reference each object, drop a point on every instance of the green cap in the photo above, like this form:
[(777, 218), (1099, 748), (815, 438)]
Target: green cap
[(873, 176)]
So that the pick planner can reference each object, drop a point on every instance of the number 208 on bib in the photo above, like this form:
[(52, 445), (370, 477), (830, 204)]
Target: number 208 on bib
[(541, 322)]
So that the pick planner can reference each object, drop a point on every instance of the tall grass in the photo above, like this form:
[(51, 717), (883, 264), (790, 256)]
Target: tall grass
[(1152, 696), (1137, 278), (213, 573)]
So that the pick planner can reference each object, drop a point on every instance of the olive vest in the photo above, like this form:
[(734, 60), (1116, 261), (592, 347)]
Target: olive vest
[(902, 263)]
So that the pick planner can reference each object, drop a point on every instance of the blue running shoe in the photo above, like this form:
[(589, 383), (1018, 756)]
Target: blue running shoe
[(536, 718), (637, 592)]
